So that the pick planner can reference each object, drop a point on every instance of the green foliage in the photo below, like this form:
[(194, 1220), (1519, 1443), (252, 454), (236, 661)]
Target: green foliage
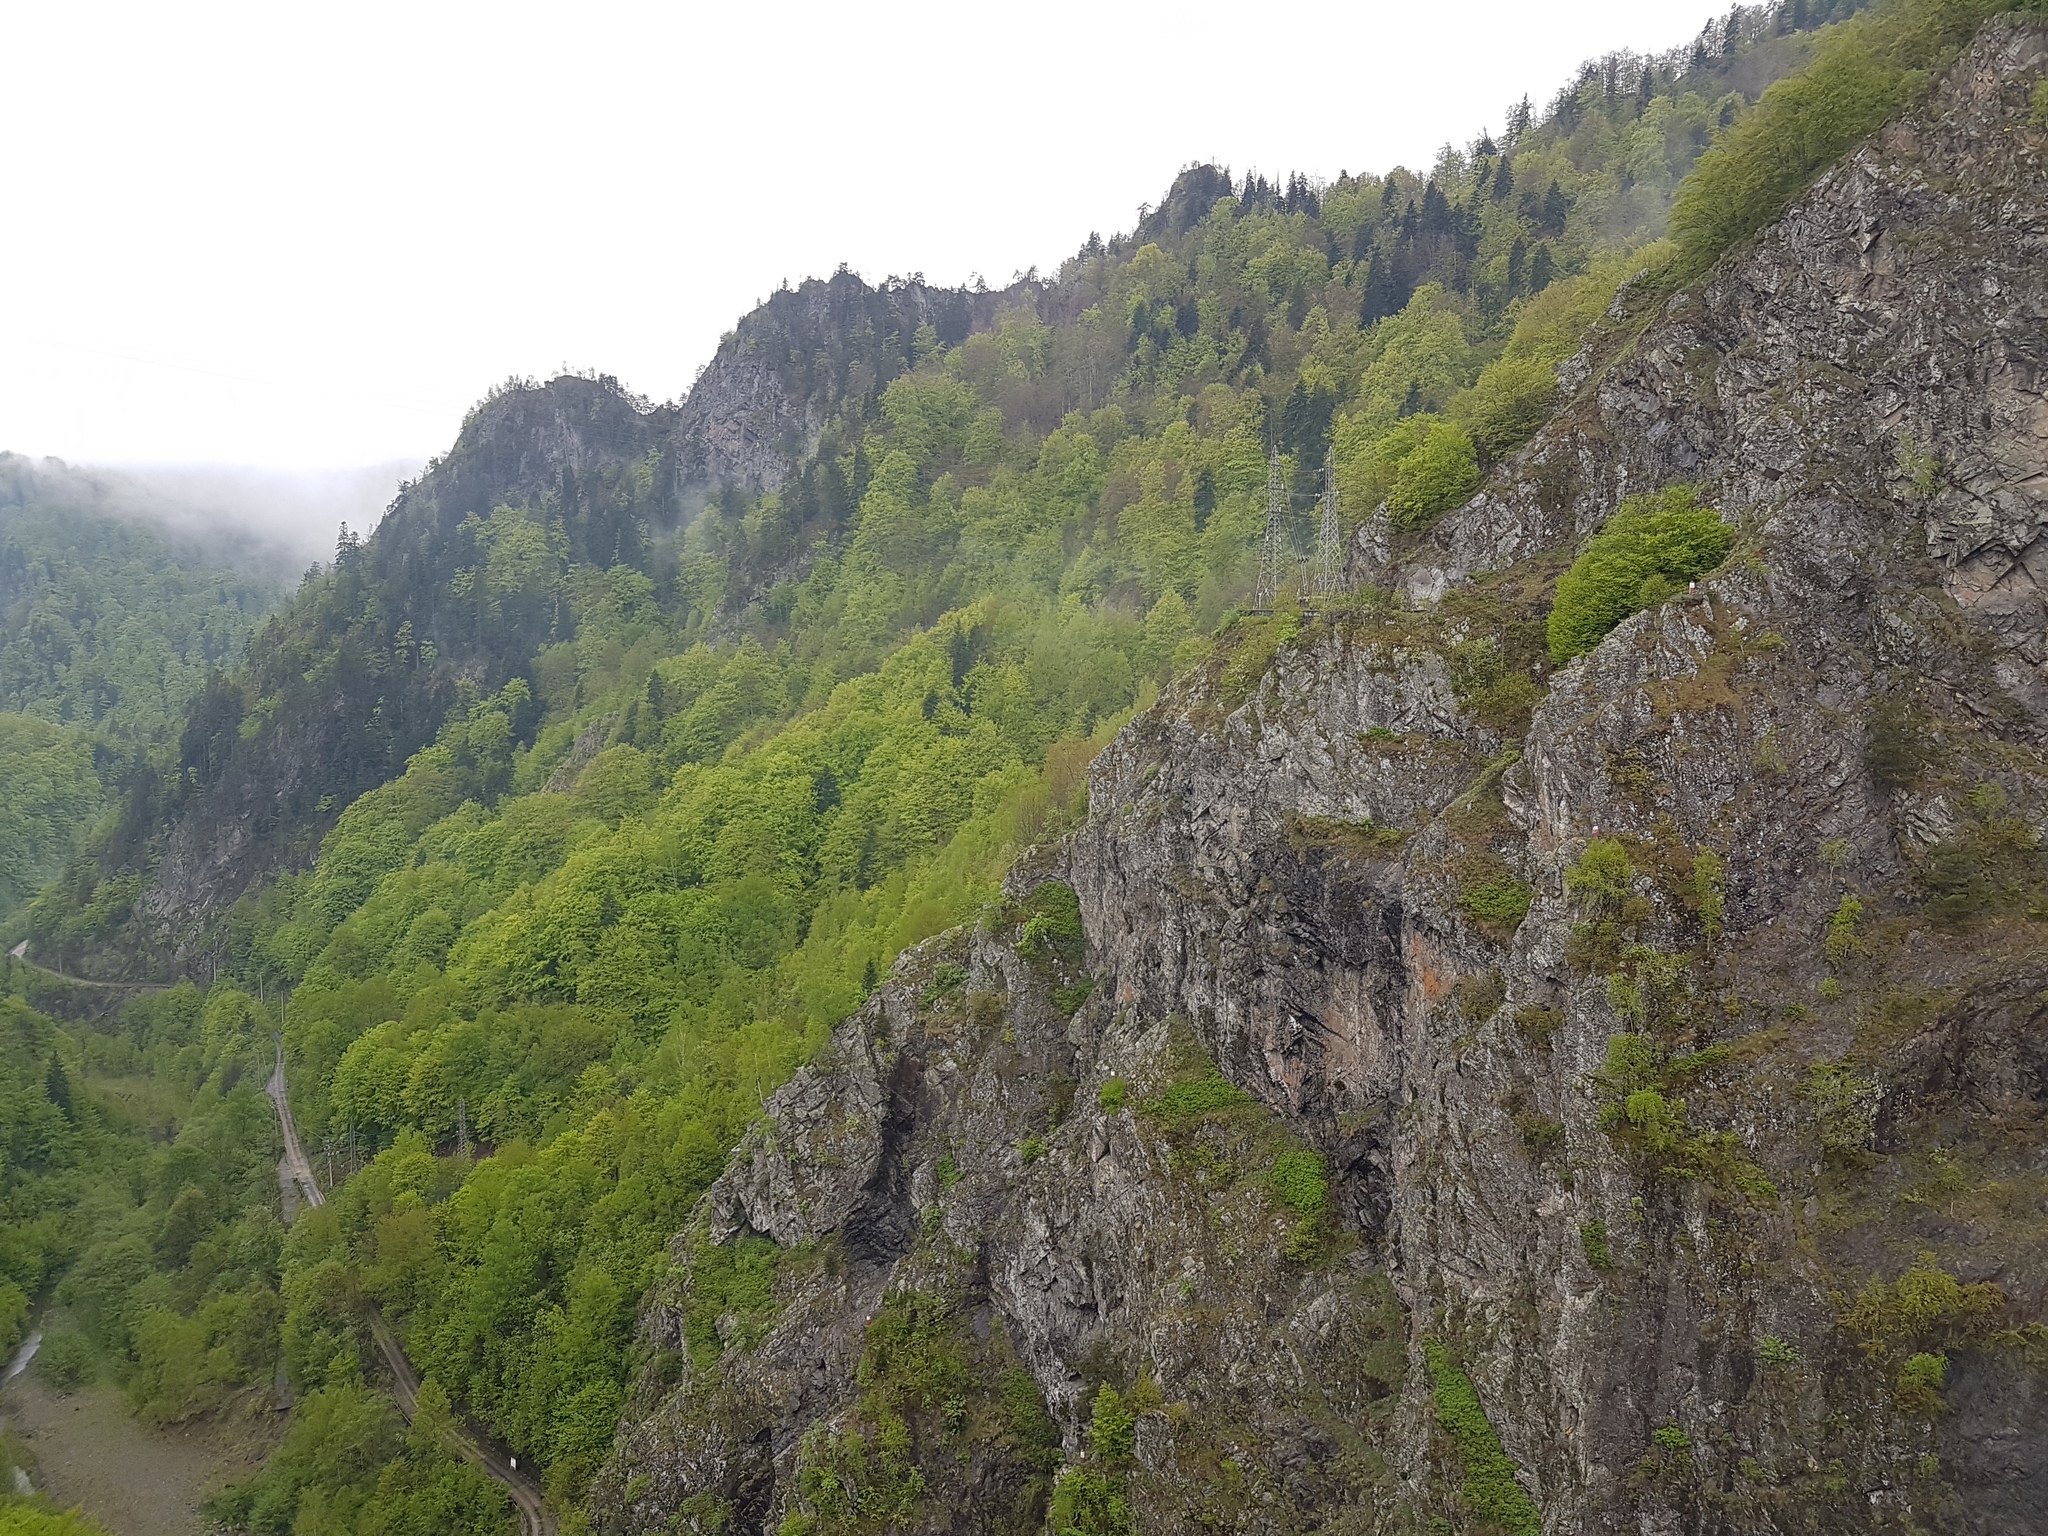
[(50, 791), (733, 1285), (2037, 105), (1636, 1089), (1051, 922), (1603, 878), (348, 1464), (1646, 552), (109, 629), (1347, 839), (1089, 1503), (1709, 892), (1926, 1306), (1111, 1095), (1032, 1430), (25, 1517), (1490, 1490), (1438, 473), (110, 625), (1515, 394), (1542, 1137), (1112, 1430), (1840, 942), (1777, 1355), (916, 1384), (1845, 1102), (1593, 1243), (1192, 1098), (1920, 1382), (1497, 695), (1502, 900), (1094, 1500), (1865, 72), (1302, 1183)]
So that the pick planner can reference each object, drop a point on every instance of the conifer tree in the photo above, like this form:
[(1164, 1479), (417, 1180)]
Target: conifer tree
[(57, 1088)]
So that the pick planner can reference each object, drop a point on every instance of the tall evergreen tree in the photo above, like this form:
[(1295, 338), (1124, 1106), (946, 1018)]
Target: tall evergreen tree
[(57, 1088), (1384, 291)]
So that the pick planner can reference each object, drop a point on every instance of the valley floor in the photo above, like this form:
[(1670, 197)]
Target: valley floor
[(91, 1453)]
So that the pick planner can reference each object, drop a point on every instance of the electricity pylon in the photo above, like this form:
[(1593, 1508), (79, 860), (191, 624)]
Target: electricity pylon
[(1326, 577), (1273, 553)]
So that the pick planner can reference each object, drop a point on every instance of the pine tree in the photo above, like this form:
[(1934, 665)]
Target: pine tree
[(1503, 182), (1436, 210), (1518, 253), (57, 1088), (1541, 269), (1384, 292)]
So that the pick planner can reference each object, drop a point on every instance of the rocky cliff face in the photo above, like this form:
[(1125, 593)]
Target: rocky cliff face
[(757, 410), (1435, 1089)]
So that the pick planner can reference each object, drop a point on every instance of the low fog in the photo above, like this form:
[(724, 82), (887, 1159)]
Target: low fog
[(266, 522)]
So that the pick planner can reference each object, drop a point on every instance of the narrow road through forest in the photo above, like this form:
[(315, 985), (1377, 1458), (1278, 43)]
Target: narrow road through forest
[(535, 1518), (20, 952)]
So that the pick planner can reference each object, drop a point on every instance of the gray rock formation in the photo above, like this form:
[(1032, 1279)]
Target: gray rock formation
[(1601, 1100)]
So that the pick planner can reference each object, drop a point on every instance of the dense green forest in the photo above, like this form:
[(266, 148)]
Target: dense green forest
[(673, 796), (109, 629)]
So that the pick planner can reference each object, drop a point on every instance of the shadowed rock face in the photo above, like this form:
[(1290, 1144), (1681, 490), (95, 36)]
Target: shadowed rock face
[(1683, 1275)]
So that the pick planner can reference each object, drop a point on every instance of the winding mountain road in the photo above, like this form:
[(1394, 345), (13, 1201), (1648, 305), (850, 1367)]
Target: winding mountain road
[(20, 952), (535, 1518)]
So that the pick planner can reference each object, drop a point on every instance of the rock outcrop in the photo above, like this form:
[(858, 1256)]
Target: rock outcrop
[(1431, 1087)]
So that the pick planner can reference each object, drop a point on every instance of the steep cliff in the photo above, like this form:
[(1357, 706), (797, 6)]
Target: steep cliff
[(1435, 1086)]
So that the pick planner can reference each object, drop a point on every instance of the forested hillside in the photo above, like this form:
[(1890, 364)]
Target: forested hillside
[(109, 628), (554, 825)]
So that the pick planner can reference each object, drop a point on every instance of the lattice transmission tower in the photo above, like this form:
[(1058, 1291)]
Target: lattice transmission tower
[(1273, 554), (1326, 574)]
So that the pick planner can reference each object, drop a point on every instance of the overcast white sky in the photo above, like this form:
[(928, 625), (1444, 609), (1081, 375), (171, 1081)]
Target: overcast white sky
[(311, 236)]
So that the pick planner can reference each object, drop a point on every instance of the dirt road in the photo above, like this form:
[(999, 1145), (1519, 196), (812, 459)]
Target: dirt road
[(535, 1518)]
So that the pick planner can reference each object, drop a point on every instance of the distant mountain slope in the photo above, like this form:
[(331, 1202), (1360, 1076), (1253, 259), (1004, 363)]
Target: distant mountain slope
[(109, 628)]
